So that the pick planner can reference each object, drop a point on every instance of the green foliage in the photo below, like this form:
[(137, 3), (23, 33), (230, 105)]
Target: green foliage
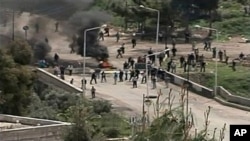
[(101, 106), (21, 52), (51, 103), (16, 85), (79, 131), (111, 132), (235, 82)]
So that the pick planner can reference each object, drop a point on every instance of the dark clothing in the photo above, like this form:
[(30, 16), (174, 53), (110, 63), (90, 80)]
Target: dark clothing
[(214, 52), (121, 76), (103, 77), (133, 42), (101, 36), (56, 57), (174, 50), (56, 25), (132, 74), (106, 30), (125, 65), (203, 67), (93, 77), (187, 37), (137, 72), (126, 75), (182, 59), (233, 65), (93, 92), (135, 82), (122, 49), (119, 53), (220, 53)]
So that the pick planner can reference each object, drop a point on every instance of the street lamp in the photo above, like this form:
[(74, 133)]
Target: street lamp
[(158, 21), (26, 28), (84, 53), (216, 56)]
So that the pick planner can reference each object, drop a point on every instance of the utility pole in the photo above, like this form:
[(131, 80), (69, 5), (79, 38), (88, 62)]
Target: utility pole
[(13, 25)]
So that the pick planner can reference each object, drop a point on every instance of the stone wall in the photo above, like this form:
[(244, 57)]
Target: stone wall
[(42, 133), (177, 80), (40, 129), (51, 79), (232, 98)]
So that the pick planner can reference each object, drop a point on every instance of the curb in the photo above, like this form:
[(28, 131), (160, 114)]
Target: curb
[(226, 103)]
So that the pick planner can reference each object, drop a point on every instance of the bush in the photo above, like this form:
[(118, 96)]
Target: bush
[(111, 132), (101, 106)]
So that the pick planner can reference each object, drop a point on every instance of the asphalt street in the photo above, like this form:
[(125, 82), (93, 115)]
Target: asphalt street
[(124, 95)]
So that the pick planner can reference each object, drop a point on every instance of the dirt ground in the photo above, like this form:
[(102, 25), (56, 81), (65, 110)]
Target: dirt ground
[(60, 43)]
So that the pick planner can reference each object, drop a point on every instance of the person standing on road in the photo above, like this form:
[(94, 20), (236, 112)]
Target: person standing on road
[(174, 50), (56, 57), (117, 35), (101, 36), (123, 48), (154, 82), (144, 78), (106, 29), (126, 75), (70, 68), (93, 77), (103, 77), (133, 41), (56, 25), (115, 78), (135, 82), (71, 81), (121, 76), (132, 74), (93, 92), (84, 83)]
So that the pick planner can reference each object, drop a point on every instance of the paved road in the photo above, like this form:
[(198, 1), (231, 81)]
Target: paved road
[(124, 95)]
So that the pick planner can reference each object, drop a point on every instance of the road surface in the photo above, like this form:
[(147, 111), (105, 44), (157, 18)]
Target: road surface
[(124, 95)]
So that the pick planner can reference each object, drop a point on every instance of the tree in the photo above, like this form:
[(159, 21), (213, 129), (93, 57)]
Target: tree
[(210, 6), (20, 51), (15, 84)]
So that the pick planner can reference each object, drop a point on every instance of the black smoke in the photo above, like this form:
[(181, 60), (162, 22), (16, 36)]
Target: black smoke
[(81, 21), (75, 13), (57, 9), (40, 48)]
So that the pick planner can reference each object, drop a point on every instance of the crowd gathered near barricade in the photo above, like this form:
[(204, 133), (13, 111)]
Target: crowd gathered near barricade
[(169, 56)]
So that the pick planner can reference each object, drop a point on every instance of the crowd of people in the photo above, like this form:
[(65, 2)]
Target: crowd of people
[(175, 62)]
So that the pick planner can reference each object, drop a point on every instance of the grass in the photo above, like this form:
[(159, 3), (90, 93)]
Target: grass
[(110, 121), (237, 82)]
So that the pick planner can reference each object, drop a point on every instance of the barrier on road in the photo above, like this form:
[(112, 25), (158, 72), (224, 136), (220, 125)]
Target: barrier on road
[(51, 79), (232, 98), (177, 80)]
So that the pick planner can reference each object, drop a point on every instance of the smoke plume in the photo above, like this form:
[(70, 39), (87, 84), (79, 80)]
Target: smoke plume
[(76, 15), (81, 21)]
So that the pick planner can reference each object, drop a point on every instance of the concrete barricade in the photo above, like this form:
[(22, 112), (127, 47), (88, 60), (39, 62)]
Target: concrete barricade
[(177, 80), (51, 79), (232, 98)]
